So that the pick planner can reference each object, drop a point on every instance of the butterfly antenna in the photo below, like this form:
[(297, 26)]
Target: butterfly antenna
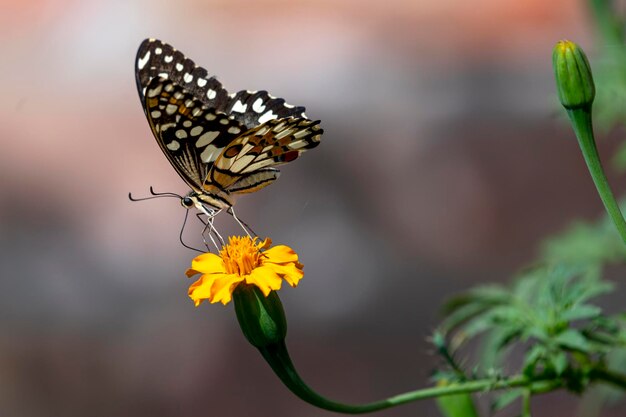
[(180, 235), (168, 194), (241, 223), (154, 195)]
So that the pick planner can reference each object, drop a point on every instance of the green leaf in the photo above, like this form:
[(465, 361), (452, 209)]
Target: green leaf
[(506, 399), (586, 245), (581, 312), (533, 356), (572, 339), (559, 362)]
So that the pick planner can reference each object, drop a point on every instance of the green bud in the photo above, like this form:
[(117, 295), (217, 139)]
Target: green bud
[(574, 82), (262, 319)]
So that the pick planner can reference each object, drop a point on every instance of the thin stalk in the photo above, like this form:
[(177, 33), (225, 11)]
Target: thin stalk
[(277, 357), (581, 122), (526, 396)]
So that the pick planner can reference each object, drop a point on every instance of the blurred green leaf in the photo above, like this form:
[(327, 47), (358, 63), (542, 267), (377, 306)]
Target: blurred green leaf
[(505, 399), (581, 312)]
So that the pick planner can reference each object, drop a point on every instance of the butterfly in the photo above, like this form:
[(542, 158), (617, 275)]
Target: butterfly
[(220, 144)]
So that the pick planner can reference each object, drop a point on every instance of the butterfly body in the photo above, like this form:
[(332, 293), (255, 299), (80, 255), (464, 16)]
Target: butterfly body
[(220, 144)]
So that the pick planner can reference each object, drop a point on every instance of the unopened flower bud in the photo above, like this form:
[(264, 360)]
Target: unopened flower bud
[(574, 82)]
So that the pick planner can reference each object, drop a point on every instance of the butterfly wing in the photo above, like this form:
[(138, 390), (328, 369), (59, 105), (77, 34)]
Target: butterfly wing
[(247, 164), (202, 129), (190, 134), (158, 59), (251, 108)]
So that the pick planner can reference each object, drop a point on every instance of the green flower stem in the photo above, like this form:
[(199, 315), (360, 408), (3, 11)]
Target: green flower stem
[(278, 358), (581, 122), (526, 403), (608, 377)]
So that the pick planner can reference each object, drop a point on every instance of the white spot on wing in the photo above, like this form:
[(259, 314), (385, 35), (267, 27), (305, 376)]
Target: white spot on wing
[(234, 130), (267, 116), (262, 131), (301, 133), (143, 61), (209, 153), (258, 165), (195, 131), (173, 145), (211, 93), (155, 114), (181, 134), (168, 59), (258, 106), (179, 66), (206, 138), (187, 77), (210, 116), (298, 144), (171, 109), (284, 133), (201, 82), (246, 148), (187, 123), (158, 51), (239, 107), (155, 91), (164, 75), (242, 162)]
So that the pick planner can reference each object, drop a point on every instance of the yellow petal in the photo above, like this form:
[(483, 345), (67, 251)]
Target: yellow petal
[(223, 287), (208, 263), (265, 244), (191, 272), (280, 254), (290, 272), (265, 278), (201, 289)]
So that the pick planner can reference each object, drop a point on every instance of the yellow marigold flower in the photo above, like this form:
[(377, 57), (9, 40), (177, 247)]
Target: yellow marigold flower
[(243, 260)]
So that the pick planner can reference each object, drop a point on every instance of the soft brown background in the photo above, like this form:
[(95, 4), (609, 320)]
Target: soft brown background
[(443, 164)]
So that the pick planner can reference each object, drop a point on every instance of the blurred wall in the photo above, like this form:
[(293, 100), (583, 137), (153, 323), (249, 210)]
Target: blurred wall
[(443, 164)]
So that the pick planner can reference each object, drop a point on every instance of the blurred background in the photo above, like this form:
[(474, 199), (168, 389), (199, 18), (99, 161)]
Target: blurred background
[(444, 163)]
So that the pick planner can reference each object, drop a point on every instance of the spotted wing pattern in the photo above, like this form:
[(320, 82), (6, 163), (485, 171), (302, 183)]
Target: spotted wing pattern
[(218, 143), (251, 108), (273, 143), (191, 134)]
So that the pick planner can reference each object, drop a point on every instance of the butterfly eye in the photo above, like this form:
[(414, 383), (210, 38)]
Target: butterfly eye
[(187, 202)]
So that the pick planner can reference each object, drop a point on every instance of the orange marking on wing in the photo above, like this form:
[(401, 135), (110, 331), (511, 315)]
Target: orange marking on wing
[(290, 156)]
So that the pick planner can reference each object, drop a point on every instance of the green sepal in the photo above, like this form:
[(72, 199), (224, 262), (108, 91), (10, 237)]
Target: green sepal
[(262, 319)]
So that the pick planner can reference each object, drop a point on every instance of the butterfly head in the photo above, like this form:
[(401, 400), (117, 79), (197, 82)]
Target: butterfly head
[(206, 202), (189, 201)]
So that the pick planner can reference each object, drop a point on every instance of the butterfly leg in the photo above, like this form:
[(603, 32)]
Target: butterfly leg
[(241, 223), (210, 229)]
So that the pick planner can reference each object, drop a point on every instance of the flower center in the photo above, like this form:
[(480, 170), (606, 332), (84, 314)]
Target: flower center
[(241, 255)]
